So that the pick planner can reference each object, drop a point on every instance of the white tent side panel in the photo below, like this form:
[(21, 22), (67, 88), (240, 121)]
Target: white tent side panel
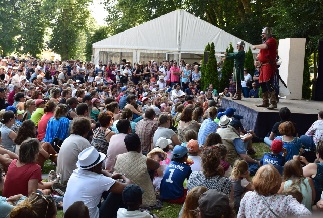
[(175, 32)]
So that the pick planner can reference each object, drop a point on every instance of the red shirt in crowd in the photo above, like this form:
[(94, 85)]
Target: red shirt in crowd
[(17, 178)]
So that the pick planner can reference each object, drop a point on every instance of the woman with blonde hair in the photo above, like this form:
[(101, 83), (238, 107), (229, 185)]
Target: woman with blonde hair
[(30, 107), (58, 126), (191, 202), (264, 200), (35, 206), (293, 177)]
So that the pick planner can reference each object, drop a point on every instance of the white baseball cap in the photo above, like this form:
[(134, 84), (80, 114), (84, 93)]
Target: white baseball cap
[(162, 142)]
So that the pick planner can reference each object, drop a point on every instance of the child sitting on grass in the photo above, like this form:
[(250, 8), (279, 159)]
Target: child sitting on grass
[(240, 178), (191, 202), (171, 187), (132, 198), (224, 163), (194, 151), (275, 157)]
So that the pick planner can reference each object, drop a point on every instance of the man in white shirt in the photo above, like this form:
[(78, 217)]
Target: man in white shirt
[(88, 182), (177, 92)]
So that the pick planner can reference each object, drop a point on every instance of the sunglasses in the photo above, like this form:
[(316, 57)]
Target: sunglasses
[(162, 157)]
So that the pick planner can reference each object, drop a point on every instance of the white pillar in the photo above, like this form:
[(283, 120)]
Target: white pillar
[(292, 53)]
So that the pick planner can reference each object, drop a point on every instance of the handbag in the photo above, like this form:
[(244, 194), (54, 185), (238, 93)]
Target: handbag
[(57, 142)]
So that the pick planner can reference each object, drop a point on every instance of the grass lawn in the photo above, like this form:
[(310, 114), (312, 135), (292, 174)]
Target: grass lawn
[(172, 210)]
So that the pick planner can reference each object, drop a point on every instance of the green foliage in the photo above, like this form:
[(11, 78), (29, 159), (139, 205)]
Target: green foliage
[(9, 26), (241, 18), (69, 23), (227, 70), (249, 62), (32, 22), (300, 19), (211, 73), (203, 69), (98, 35), (306, 91)]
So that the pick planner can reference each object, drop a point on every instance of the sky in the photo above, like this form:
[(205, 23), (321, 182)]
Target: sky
[(98, 11)]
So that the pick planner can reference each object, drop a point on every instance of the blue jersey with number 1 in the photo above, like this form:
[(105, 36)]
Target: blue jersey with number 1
[(171, 186)]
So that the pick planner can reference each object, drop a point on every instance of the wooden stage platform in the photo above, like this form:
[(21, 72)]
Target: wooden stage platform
[(261, 120)]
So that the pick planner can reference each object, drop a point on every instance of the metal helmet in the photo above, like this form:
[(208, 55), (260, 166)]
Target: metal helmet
[(267, 30), (241, 43)]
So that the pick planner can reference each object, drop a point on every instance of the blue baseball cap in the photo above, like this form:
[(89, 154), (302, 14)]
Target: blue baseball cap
[(179, 151), (220, 114), (230, 111), (12, 108), (123, 89)]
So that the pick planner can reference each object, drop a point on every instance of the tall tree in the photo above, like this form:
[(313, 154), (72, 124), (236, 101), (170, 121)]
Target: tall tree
[(203, 67), (9, 26), (227, 70), (32, 28), (300, 19), (98, 35), (249, 62), (69, 23), (211, 75)]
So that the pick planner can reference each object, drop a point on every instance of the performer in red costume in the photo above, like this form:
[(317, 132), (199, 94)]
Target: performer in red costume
[(267, 59)]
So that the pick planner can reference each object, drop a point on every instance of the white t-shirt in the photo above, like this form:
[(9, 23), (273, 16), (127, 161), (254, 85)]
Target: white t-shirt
[(67, 157), (175, 94), (88, 187), (61, 76), (161, 84), (196, 166), (124, 213)]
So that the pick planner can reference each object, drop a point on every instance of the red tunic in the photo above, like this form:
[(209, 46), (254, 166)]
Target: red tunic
[(267, 57), (17, 178)]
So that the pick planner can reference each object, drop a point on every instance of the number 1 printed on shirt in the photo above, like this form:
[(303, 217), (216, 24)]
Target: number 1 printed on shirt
[(170, 176)]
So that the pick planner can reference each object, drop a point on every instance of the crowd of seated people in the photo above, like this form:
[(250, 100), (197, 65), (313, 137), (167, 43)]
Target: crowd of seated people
[(123, 140)]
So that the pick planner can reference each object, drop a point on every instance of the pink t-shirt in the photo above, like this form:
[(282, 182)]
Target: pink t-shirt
[(173, 77), (42, 125), (116, 147)]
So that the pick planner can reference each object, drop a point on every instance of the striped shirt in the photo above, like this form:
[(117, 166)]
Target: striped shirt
[(208, 126)]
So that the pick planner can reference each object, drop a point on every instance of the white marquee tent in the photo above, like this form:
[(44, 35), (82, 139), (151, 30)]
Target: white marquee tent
[(176, 33)]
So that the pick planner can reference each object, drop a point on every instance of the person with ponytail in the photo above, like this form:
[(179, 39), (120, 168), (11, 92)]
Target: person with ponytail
[(49, 109), (35, 206), (294, 178), (30, 107), (240, 178), (58, 126)]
